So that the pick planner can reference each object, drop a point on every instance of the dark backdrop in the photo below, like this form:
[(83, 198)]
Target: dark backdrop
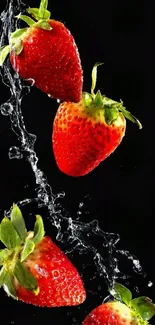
[(120, 192)]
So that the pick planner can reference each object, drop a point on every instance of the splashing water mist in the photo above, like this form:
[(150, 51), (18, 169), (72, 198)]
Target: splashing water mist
[(78, 236)]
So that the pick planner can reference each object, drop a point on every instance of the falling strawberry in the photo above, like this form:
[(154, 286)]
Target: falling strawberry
[(124, 311), (46, 53), (34, 269), (86, 133)]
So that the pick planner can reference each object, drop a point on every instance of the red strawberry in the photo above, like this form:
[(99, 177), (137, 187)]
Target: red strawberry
[(34, 269), (46, 52), (128, 311), (86, 133)]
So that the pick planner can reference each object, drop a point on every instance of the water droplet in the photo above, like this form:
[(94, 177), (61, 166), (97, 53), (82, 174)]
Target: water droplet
[(31, 81), (136, 289), (106, 299), (6, 109), (61, 195), (137, 265), (150, 284), (14, 153), (81, 204)]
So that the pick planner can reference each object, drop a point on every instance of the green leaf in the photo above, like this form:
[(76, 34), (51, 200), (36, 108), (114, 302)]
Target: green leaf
[(18, 222), (8, 286), (18, 47), (94, 77), (4, 51), (43, 8), (98, 101), (8, 234), (38, 230), (18, 33), (28, 249), (24, 277), (111, 114), (87, 98), (43, 24), (3, 253), (3, 273), (144, 307), (122, 293), (129, 116), (35, 13), (26, 19)]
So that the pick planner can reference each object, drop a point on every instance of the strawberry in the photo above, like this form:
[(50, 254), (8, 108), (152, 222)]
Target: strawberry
[(87, 132), (46, 53), (33, 269), (125, 311)]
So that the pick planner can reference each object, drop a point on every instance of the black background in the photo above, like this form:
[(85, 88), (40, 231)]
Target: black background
[(120, 192)]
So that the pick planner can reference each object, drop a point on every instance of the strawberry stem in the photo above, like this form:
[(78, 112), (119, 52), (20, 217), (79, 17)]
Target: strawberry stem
[(43, 8), (94, 78)]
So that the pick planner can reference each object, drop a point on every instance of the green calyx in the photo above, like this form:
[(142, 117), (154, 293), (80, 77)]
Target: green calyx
[(142, 307), (19, 245), (111, 108), (40, 19)]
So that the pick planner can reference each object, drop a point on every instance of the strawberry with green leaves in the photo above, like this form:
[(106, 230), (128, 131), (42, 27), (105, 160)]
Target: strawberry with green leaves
[(33, 269), (86, 133), (123, 310), (46, 53)]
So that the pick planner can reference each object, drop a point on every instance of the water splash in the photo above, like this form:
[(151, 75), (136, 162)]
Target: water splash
[(77, 235), (15, 153)]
